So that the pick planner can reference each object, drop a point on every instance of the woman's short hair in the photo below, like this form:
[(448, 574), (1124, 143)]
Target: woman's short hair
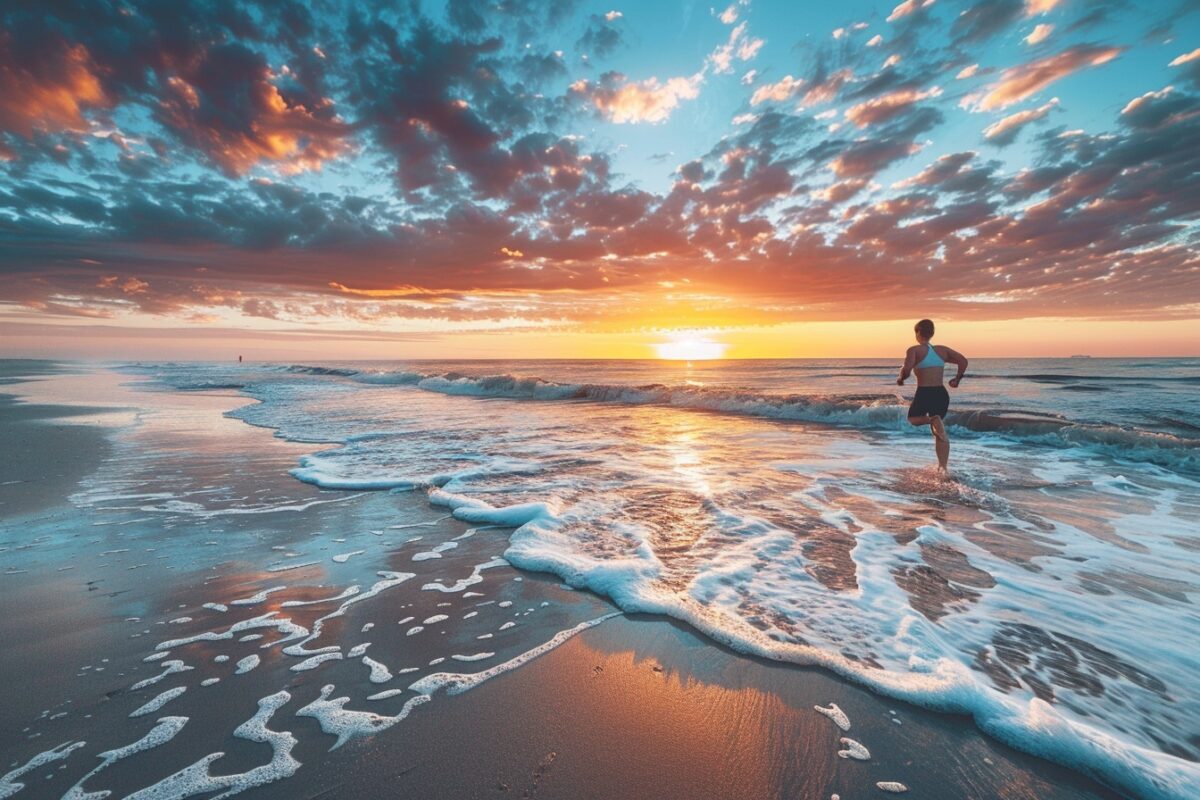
[(925, 328)]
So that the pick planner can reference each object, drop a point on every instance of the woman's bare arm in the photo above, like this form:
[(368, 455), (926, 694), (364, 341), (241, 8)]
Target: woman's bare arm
[(958, 359), (910, 361)]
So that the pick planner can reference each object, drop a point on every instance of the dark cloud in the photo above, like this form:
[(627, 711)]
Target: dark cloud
[(983, 19), (602, 37)]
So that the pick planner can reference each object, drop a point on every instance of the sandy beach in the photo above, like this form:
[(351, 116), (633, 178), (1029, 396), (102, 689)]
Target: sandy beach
[(97, 584)]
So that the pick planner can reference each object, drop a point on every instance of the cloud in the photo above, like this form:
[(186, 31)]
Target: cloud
[(1035, 7), (1160, 108), (875, 41), (1191, 66), (1018, 83), (739, 45), (952, 173), (967, 72), (1186, 58), (730, 14), (49, 90), (886, 107), (601, 37), (777, 92), (864, 158), (908, 8), (228, 107), (650, 100), (825, 88), (1004, 132), (1040, 33), (981, 21)]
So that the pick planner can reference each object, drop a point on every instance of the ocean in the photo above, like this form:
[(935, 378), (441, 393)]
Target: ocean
[(786, 509)]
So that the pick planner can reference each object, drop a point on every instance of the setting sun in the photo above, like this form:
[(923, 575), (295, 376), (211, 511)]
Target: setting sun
[(690, 348)]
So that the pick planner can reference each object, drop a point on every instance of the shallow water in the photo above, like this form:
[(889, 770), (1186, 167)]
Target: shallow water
[(786, 509)]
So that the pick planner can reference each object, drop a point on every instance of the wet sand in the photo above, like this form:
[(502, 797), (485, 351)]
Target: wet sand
[(109, 564), (43, 451)]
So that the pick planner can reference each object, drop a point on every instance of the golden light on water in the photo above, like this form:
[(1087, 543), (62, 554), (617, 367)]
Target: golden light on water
[(690, 347)]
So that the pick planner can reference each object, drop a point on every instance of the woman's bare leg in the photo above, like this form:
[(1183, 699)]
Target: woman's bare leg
[(941, 442)]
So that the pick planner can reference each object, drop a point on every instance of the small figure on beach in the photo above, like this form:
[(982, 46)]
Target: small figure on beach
[(931, 400)]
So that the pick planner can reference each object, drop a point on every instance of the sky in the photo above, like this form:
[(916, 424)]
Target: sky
[(290, 179)]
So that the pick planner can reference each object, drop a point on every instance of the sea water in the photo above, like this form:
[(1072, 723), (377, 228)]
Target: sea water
[(787, 509)]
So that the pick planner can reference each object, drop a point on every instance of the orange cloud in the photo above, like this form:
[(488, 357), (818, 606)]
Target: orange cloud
[(1040, 33), (882, 108), (52, 99), (1035, 7), (908, 7), (777, 92), (1020, 82), (1186, 58), (229, 107), (645, 101), (1008, 126)]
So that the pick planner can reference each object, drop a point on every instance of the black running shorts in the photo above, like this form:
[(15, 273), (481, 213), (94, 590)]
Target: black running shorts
[(930, 401)]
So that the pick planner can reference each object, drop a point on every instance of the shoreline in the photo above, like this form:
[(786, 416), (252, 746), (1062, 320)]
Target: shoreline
[(638, 705)]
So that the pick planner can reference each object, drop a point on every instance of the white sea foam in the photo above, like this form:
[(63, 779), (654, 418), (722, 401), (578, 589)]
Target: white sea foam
[(379, 672), (349, 591), (158, 702), (473, 657), (475, 577), (9, 785), (435, 552), (315, 661), (836, 714), (854, 750), (246, 664), (164, 731), (173, 666), (390, 579), (457, 682), (346, 724), (197, 779), (288, 567), (289, 629), (256, 598)]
